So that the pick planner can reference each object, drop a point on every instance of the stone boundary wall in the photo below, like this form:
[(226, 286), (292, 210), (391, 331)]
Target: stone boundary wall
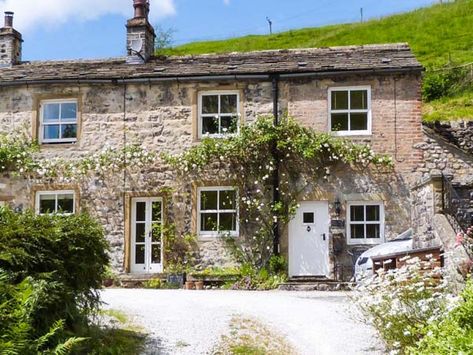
[(459, 133), (442, 156)]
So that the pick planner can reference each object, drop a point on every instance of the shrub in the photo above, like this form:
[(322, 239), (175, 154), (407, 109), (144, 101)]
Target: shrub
[(454, 333), (19, 305), (69, 253), (401, 303), (266, 278), (180, 250), (437, 84)]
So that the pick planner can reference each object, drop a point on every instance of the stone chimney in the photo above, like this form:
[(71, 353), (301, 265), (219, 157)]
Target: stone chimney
[(140, 34), (10, 43)]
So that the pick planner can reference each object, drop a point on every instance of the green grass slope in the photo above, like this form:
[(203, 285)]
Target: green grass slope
[(439, 35)]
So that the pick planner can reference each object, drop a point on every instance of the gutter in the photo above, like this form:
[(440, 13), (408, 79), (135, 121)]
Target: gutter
[(236, 77)]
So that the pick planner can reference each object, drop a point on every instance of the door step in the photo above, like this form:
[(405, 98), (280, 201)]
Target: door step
[(137, 280), (319, 285)]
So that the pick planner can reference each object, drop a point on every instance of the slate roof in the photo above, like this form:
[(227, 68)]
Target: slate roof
[(377, 58)]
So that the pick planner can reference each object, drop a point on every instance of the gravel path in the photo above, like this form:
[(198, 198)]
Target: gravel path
[(192, 322)]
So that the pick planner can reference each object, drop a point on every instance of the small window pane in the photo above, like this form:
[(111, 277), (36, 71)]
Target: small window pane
[(339, 100), (228, 124), (359, 121), (51, 132), (208, 200), (227, 200), (69, 131), (357, 213), (308, 217), (156, 254), (140, 232), (372, 231), (140, 254), (47, 204), (65, 203), (69, 111), (208, 222), (141, 211), (156, 211), (359, 100), (228, 104), (372, 213), (357, 231), (50, 112), (210, 125), (340, 122), (156, 231), (227, 222), (210, 104)]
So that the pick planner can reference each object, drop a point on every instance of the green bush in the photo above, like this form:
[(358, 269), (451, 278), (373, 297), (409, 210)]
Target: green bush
[(69, 253), (454, 333), (19, 305), (437, 84)]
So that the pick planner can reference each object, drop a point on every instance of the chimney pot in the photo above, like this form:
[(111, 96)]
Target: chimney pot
[(141, 8), (8, 19)]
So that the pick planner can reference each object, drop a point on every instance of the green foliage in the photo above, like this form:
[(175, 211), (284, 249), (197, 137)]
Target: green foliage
[(153, 283), (268, 277), (447, 82), (454, 333), (68, 254), (303, 157), (180, 250), (16, 152), (20, 303)]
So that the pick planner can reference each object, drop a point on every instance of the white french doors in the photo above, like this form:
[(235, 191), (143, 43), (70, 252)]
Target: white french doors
[(146, 235)]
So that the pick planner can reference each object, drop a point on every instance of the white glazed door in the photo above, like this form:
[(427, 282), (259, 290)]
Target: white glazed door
[(308, 240), (146, 235)]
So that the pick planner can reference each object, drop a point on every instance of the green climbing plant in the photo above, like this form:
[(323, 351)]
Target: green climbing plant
[(302, 157)]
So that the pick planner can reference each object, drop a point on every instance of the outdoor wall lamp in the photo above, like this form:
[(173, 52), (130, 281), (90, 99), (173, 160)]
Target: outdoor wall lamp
[(338, 206)]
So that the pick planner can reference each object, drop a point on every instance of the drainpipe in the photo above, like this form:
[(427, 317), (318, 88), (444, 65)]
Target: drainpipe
[(276, 195)]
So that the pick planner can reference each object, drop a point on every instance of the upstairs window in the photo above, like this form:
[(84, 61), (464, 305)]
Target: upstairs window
[(219, 113), (350, 110), (365, 222), (58, 121), (57, 202), (218, 211)]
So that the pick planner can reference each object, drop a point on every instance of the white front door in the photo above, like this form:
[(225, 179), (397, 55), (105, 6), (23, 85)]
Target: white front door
[(308, 240), (146, 235)]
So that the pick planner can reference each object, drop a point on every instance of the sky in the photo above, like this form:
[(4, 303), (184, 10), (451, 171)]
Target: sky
[(71, 29)]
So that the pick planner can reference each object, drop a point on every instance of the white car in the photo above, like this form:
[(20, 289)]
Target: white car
[(364, 263)]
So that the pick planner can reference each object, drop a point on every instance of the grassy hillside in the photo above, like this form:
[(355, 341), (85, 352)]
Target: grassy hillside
[(439, 35)]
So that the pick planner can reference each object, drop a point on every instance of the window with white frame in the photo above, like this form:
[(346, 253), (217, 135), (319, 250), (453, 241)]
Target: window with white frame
[(58, 202), (365, 222), (217, 211), (219, 113), (58, 121), (350, 110)]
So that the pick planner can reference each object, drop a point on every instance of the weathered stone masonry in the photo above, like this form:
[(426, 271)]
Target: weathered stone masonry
[(154, 102), (162, 117)]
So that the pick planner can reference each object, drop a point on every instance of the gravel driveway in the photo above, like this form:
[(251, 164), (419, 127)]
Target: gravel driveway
[(192, 322)]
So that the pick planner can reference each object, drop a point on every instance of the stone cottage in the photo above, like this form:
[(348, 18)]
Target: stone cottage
[(369, 94)]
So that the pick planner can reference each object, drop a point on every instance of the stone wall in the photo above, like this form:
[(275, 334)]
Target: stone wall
[(459, 133), (162, 118), (448, 156)]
